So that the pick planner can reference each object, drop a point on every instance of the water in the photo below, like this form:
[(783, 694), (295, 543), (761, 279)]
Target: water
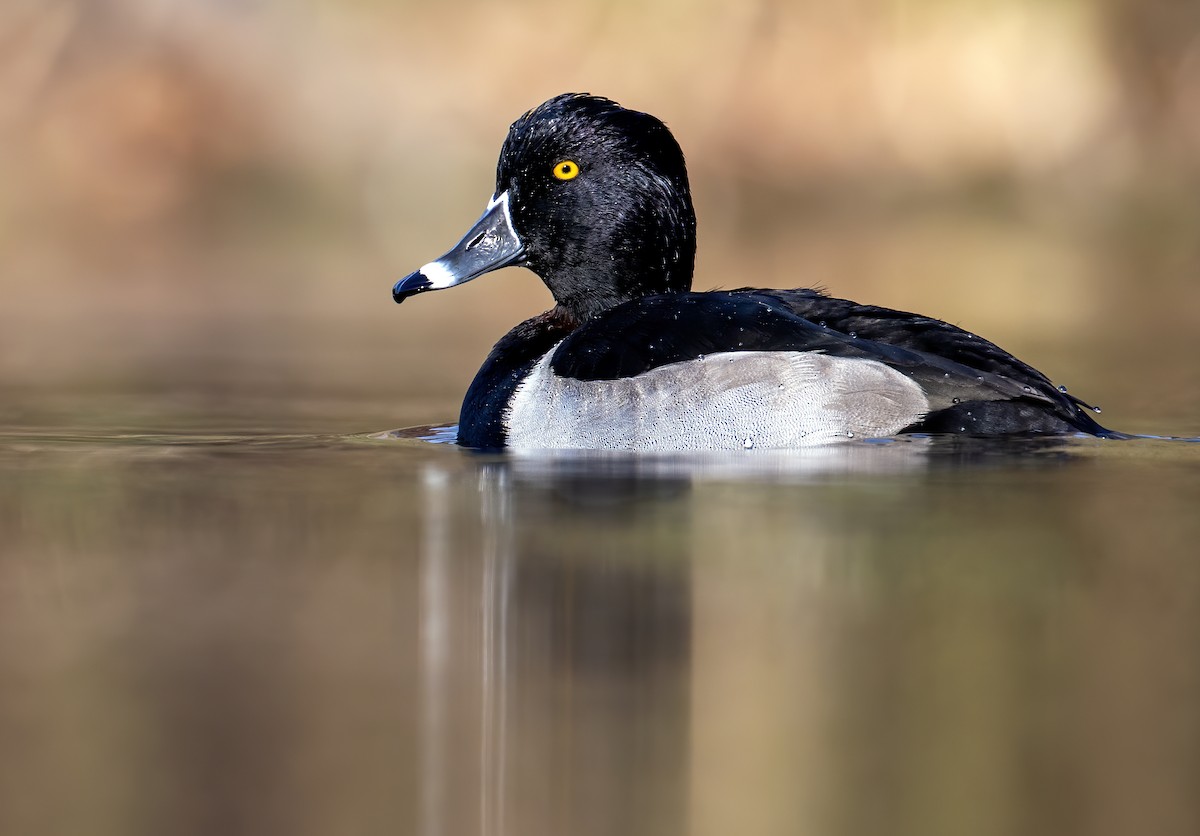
[(215, 630)]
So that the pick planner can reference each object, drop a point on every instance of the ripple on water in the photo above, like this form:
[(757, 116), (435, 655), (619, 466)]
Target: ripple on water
[(432, 433), (901, 454)]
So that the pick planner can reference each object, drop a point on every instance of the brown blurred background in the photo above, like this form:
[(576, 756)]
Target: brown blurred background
[(203, 207), (214, 196)]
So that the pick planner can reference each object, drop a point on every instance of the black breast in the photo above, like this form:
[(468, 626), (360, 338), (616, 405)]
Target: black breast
[(481, 420)]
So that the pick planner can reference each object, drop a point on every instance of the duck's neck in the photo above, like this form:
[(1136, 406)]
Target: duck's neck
[(641, 250)]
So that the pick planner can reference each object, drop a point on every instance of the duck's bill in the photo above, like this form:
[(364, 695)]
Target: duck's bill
[(490, 244)]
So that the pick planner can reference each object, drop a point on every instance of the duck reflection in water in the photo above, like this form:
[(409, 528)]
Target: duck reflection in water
[(553, 657), (557, 613)]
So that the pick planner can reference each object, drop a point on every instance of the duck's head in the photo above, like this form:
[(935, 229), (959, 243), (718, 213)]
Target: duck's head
[(590, 196)]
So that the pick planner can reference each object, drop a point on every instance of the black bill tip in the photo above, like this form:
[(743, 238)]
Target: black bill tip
[(410, 285)]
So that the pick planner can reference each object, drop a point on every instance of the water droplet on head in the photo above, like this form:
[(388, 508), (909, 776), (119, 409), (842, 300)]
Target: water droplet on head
[(1096, 410), (1062, 389), (849, 433), (854, 335), (748, 443), (822, 324), (955, 400), (1027, 388)]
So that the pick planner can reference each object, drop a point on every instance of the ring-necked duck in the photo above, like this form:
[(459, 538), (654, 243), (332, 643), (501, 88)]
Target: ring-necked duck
[(594, 199)]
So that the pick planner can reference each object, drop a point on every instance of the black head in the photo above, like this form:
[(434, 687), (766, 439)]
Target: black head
[(593, 198), (600, 198)]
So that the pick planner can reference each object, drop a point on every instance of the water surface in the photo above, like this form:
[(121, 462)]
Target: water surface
[(212, 631)]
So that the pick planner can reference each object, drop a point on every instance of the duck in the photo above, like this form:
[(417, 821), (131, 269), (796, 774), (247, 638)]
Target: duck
[(594, 199)]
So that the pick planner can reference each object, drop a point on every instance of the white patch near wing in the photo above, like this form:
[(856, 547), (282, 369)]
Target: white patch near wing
[(726, 401)]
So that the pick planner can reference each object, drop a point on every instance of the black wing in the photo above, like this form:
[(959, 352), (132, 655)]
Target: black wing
[(933, 336), (972, 386)]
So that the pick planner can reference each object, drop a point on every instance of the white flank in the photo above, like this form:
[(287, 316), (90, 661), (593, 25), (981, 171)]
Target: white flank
[(727, 401)]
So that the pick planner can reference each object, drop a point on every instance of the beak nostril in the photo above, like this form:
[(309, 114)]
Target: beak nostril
[(474, 242)]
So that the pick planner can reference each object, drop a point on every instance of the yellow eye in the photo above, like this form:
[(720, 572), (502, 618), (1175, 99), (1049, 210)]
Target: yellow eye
[(566, 170)]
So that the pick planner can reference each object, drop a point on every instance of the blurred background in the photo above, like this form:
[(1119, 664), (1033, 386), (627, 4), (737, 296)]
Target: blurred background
[(210, 199), (222, 613)]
